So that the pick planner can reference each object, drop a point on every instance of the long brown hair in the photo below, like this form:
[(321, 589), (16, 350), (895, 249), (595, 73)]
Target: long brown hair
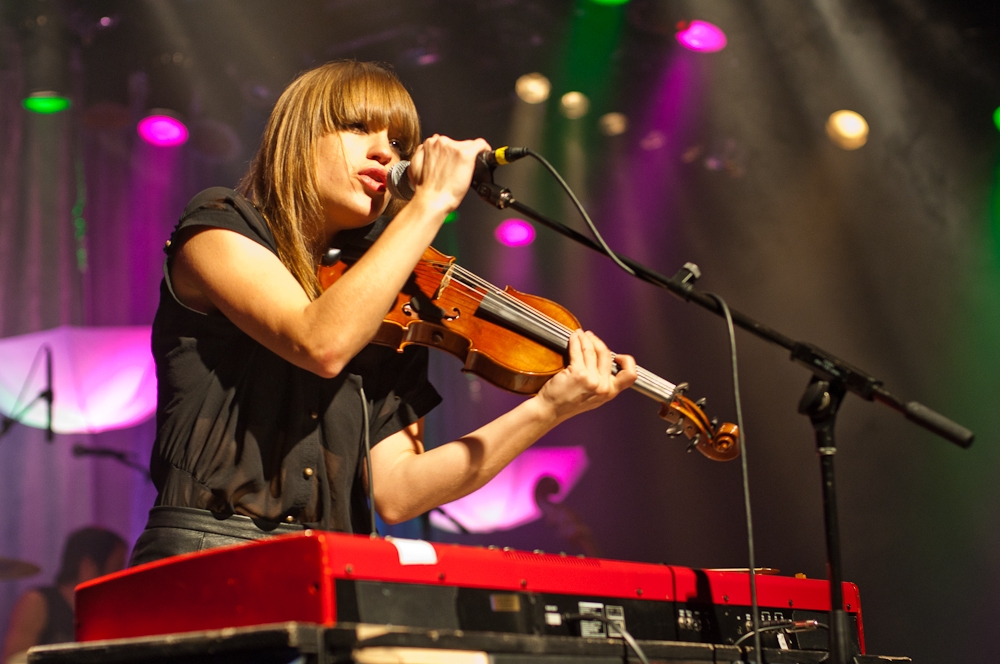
[(281, 181)]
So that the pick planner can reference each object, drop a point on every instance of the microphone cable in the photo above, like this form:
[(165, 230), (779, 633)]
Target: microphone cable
[(366, 437), (626, 637), (787, 626), (754, 607), (579, 206)]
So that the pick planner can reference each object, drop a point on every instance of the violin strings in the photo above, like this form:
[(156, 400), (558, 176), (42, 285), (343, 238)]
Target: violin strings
[(513, 304), (480, 286)]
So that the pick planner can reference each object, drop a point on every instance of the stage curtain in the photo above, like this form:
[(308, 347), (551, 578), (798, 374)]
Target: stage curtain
[(56, 270)]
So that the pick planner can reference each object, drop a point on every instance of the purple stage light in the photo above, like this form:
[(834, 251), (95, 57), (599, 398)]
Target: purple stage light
[(515, 233), (162, 130), (702, 36), (508, 500)]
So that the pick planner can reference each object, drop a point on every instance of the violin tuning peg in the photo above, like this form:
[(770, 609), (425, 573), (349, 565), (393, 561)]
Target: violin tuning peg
[(694, 442), (676, 429), (681, 389), (701, 402), (715, 423)]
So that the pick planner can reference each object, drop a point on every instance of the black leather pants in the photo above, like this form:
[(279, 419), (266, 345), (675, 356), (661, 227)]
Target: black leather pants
[(171, 531)]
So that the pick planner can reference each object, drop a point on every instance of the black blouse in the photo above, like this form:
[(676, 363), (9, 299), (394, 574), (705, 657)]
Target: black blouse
[(59, 626), (242, 431)]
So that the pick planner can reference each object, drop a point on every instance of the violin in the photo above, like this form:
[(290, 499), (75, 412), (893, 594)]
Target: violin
[(515, 341)]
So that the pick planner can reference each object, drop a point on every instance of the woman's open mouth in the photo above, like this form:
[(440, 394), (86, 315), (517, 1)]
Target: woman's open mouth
[(373, 178)]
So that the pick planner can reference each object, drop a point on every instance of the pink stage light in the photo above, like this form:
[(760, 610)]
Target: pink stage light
[(702, 36), (508, 500), (162, 130), (515, 233), (102, 377)]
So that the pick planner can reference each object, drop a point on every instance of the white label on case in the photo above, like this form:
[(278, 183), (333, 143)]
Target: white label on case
[(414, 552)]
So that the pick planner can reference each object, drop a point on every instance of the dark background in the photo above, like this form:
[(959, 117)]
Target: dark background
[(886, 256)]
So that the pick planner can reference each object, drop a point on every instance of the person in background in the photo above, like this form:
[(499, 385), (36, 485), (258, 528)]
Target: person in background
[(44, 615)]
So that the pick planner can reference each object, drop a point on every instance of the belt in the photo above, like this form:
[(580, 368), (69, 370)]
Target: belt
[(231, 525)]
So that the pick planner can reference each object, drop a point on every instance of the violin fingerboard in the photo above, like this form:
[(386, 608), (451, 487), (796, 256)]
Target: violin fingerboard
[(500, 309)]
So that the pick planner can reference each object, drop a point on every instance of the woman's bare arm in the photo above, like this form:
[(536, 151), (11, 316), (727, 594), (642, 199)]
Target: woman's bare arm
[(27, 621), (408, 482), (225, 271)]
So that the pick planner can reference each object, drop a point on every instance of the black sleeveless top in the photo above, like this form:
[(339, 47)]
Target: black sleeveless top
[(242, 431), (59, 626)]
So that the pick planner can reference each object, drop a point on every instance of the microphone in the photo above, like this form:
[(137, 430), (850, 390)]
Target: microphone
[(398, 180), (48, 394), (81, 450)]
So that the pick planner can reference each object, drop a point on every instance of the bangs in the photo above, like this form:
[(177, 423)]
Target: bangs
[(372, 96)]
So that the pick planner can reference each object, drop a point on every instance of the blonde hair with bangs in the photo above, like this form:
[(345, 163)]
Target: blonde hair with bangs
[(281, 181)]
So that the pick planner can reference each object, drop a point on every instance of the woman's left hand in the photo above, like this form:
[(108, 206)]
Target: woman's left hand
[(587, 382)]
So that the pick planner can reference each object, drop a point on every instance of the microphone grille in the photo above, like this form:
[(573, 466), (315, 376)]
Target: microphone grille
[(398, 182)]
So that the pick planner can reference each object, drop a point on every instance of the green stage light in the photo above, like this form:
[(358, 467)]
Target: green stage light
[(609, 2), (996, 117), (452, 216), (46, 103)]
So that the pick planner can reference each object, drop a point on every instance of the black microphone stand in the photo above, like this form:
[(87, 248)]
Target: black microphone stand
[(48, 394), (8, 421), (831, 379), (121, 457)]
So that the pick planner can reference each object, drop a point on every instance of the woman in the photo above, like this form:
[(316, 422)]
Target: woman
[(267, 385)]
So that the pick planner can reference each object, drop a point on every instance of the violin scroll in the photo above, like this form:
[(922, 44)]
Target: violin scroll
[(718, 442)]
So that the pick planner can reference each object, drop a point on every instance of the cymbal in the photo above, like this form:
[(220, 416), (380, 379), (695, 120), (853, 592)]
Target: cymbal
[(16, 569)]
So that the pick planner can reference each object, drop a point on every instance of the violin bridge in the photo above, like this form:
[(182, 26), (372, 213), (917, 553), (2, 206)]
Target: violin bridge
[(445, 281)]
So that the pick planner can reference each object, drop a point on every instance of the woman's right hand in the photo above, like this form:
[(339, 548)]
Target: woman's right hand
[(441, 170)]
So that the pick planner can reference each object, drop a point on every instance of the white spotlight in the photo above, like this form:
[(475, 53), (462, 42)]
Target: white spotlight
[(613, 124), (574, 105), (533, 88), (847, 129)]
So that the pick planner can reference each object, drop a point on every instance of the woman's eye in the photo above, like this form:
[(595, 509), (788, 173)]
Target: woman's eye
[(396, 145)]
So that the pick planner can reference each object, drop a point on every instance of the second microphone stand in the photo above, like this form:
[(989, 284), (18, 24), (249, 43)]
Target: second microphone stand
[(8, 421)]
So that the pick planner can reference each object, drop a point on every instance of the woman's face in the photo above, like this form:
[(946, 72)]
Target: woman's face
[(351, 170)]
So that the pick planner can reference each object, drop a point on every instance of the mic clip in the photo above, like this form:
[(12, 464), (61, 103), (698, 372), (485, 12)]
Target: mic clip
[(482, 182)]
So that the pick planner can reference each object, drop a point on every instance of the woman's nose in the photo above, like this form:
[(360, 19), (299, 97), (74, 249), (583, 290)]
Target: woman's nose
[(380, 149)]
